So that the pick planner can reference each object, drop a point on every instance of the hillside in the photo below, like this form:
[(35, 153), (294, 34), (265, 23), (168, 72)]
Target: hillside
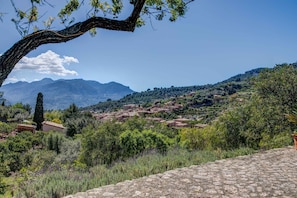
[(59, 94), (201, 104), (235, 83), (149, 134)]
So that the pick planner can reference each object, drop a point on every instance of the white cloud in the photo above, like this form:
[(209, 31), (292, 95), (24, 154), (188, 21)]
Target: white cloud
[(48, 63), (14, 79), (68, 60)]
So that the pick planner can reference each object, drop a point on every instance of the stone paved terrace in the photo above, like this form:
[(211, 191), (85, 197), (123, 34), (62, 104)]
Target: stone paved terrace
[(270, 174)]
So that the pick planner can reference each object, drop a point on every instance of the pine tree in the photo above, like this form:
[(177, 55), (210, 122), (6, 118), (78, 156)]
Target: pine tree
[(38, 114)]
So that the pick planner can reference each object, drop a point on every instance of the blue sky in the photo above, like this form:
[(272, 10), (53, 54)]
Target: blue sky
[(214, 41)]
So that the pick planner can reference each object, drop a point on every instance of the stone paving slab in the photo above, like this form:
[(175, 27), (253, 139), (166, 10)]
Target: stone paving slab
[(270, 174)]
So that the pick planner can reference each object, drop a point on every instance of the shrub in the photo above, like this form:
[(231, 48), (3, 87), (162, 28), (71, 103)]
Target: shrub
[(2, 187), (53, 141), (208, 138), (132, 143), (5, 128), (277, 141), (101, 145), (154, 140), (192, 139)]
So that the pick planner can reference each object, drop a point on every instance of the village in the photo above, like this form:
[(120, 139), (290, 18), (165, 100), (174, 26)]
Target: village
[(46, 126), (132, 110), (152, 112)]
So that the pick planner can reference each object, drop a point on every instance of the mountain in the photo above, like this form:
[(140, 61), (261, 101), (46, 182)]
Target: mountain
[(192, 104), (146, 98), (59, 94)]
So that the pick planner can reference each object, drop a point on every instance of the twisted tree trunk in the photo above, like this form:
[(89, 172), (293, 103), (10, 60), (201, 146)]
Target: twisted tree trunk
[(11, 57)]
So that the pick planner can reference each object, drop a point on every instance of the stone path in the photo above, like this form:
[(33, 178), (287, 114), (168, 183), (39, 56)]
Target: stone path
[(270, 174)]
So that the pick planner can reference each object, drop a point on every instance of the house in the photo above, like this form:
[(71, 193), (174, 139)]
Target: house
[(201, 125), (25, 127), (52, 126), (130, 106)]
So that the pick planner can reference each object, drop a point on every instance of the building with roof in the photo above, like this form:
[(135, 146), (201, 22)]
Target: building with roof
[(52, 126)]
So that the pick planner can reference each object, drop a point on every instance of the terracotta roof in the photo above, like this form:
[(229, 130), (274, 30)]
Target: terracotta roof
[(53, 124)]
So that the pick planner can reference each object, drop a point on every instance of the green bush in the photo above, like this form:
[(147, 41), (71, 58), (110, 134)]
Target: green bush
[(5, 128), (132, 143), (208, 138), (112, 141), (260, 123), (69, 151), (42, 160), (14, 151), (154, 140), (3, 187), (65, 182), (53, 141), (277, 141), (135, 123), (101, 145), (193, 139)]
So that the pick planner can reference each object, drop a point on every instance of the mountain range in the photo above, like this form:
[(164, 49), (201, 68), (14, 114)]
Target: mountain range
[(206, 92), (59, 94), (95, 96)]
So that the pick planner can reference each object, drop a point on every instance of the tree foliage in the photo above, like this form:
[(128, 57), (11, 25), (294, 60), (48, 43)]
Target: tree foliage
[(53, 141), (261, 123), (278, 86), (5, 128), (3, 186), (135, 142), (111, 141), (71, 112), (12, 151), (101, 14), (38, 114), (53, 116), (18, 112), (75, 120), (101, 145)]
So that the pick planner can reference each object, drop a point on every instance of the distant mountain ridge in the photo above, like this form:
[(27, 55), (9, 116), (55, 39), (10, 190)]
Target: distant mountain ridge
[(232, 84), (59, 94)]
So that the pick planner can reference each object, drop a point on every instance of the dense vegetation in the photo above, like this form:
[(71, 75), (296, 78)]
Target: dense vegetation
[(232, 85), (92, 153), (38, 114)]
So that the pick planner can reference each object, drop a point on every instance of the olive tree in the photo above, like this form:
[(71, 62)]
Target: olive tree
[(106, 14)]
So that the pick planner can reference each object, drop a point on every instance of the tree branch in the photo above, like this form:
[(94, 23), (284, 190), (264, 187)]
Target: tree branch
[(12, 56)]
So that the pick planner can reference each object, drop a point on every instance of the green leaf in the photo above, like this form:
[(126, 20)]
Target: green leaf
[(21, 14)]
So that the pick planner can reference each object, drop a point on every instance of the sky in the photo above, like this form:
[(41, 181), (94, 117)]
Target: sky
[(214, 41)]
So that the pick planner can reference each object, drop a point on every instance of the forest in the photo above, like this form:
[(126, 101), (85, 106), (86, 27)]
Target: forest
[(253, 113)]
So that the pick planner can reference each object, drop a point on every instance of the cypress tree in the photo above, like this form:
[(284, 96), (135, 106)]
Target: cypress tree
[(38, 114)]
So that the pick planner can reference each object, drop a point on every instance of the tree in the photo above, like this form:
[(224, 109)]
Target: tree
[(75, 120), (71, 112), (278, 86), (101, 145), (102, 14), (2, 100), (25, 107), (262, 121), (38, 114), (54, 141)]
